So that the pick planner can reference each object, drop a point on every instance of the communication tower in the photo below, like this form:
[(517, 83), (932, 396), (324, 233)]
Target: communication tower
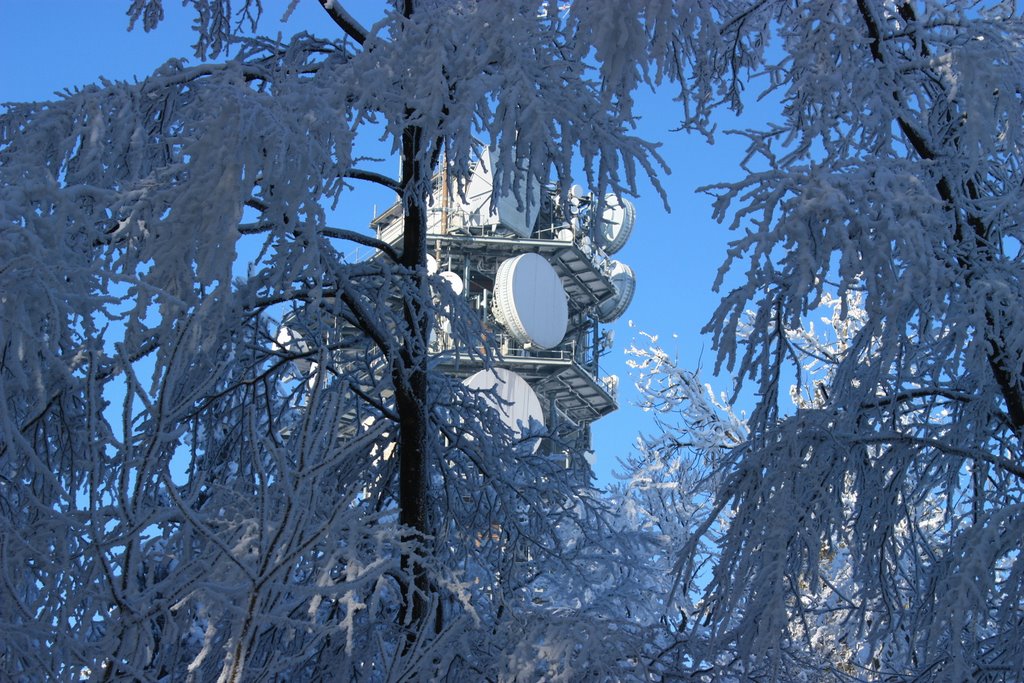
[(539, 272)]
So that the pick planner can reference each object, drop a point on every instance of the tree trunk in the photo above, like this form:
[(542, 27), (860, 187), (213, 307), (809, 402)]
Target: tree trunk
[(409, 371)]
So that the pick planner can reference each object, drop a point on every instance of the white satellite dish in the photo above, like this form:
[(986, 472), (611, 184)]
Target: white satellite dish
[(454, 281), (530, 301), (292, 342), (624, 283), (518, 214), (431, 265), (616, 223), (575, 199), (587, 247), (519, 403)]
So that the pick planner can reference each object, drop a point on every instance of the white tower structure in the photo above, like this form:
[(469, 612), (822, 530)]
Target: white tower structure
[(537, 269)]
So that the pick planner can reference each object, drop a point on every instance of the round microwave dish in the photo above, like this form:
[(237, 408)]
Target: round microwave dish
[(616, 224), (624, 283), (514, 398), (530, 301)]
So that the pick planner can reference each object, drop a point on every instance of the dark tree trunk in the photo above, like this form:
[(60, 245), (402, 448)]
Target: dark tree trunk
[(410, 369)]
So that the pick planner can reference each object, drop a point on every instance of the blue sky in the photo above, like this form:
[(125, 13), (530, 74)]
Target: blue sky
[(49, 45)]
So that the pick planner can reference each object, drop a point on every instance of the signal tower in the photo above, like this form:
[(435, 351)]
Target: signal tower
[(539, 273)]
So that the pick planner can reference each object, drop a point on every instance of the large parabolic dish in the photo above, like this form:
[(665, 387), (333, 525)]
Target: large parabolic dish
[(518, 214), (624, 283), (616, 223), (530, 301), (519, 404), (454, 281)]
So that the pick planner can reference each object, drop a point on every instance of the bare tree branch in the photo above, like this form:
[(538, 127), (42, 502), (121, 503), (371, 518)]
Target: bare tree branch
[(372, 177), (352, 28)]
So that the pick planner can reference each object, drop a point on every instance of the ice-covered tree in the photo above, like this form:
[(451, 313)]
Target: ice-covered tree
[(893, 173), (186, 493)]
